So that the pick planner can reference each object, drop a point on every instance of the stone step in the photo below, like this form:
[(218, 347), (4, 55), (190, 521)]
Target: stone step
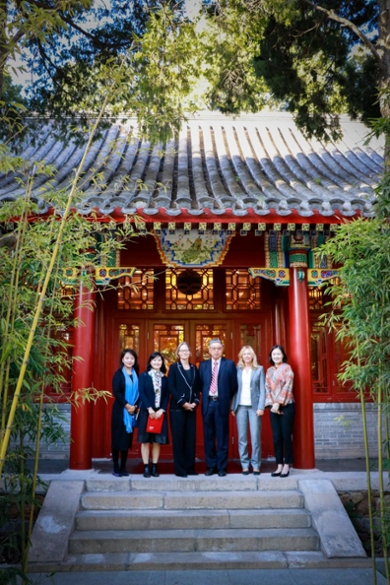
[(187, 561), (191, 519), (191, 500), (154, 541), (199, 483)]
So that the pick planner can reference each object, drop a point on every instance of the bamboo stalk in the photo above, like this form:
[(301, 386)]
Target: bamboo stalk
[(36, 457), (34, 485), (369, 488), (381, 484), (11, 305), (22, 497), (38, 311)]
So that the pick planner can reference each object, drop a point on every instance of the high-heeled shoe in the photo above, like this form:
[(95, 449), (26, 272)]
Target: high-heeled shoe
[(285, 474), (276, 474)]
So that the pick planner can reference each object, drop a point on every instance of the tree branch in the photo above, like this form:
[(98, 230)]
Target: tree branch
[(75, 26), (347, 23)]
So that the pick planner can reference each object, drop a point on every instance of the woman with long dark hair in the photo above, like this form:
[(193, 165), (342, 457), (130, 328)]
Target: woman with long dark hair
[(280, 399), (124, 409), (153, 390)]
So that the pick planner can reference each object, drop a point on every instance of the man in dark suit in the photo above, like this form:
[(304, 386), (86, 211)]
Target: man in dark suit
[(218, 384)]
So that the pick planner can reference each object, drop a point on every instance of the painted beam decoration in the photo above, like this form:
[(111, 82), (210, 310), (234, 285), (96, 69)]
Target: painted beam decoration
[(103, 274), (280, 276), (196, 249), (317, 277)]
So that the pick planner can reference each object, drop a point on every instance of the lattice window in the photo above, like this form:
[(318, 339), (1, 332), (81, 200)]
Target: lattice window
[(129, 337), (319, 366), (189, 290), (166, 338), (204, 334), (316, 298), (137, 292), (242, 291), (251, 335)]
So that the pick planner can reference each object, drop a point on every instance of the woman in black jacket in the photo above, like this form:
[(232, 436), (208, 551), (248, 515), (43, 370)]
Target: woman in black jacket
[(184, 387), (124, 409), (153, 391)]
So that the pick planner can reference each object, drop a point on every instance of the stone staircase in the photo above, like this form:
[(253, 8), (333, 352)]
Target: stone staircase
[(193, 523)]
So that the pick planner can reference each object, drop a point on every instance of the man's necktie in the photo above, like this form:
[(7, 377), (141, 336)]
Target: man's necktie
[(214, 376)]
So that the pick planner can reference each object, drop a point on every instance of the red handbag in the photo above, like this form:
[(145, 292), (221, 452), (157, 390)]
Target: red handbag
[(154, 425)]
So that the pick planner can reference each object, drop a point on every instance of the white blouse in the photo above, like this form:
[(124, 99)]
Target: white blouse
[(245, 398)]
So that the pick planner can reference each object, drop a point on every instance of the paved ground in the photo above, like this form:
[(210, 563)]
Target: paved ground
[(236, 577), (135, 466)]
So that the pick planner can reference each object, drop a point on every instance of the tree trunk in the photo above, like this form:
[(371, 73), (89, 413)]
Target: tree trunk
[(384, 81)]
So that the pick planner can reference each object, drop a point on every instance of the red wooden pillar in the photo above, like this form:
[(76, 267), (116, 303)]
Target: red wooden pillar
[(81, 415), (279, 308), (300, 360)]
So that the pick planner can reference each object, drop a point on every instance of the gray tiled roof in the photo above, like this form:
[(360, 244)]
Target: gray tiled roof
[(251, 167)]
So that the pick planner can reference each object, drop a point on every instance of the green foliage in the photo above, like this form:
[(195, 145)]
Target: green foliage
[(144, 53), (12, 107), (229, 47), (300, 58), (26, 253), (168, 66), (362, 299), (361, 303)]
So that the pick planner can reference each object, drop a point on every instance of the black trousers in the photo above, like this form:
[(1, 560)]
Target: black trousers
[(282, 426), (183, 430)]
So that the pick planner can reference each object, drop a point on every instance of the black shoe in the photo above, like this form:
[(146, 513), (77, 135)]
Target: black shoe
[(192, 473), (245, 472), (146, 471), (154, 470), (256, 472), (116, 474), (222, 473), (124, 473), (276, 474), (285, 474), (181, 474), (210, 471)]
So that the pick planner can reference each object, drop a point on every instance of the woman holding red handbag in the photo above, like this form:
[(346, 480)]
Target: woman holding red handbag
[(153, 392)]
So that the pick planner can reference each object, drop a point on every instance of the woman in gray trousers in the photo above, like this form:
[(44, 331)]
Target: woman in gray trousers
[(248, 407)]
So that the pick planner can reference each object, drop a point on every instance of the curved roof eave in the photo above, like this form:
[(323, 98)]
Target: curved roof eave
[(253, 168)]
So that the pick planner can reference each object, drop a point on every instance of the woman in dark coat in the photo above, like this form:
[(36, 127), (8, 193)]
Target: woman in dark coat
[(124, 409), (153, 391), (184, 387)]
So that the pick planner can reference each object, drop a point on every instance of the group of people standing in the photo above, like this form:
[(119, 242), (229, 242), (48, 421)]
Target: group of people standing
[(244, 390)]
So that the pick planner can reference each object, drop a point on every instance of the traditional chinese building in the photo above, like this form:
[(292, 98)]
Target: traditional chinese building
[(233, 210)]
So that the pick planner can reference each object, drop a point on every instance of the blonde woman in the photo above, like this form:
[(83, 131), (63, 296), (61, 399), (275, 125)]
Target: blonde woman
[(248, 408)]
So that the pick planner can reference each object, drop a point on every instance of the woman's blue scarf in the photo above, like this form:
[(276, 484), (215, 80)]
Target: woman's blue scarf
[(131, 395)]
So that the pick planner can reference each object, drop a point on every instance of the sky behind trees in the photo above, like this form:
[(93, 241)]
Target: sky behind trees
[(315, 59)]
